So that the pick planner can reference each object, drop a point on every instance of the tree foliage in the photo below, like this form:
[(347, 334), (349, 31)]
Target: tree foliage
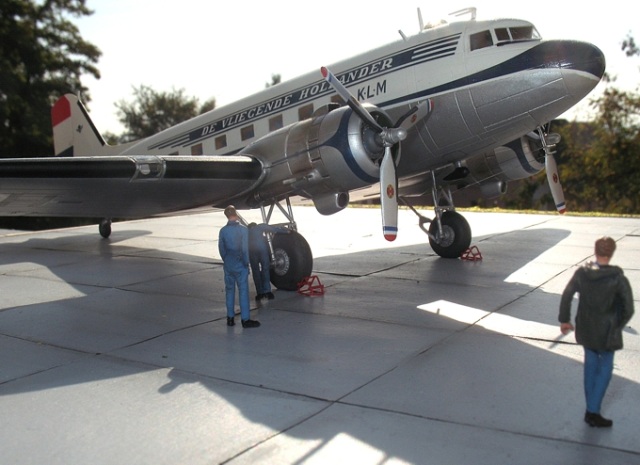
[(42, 57), (604, 168), (601, 170), (152, 111), (629, 46)]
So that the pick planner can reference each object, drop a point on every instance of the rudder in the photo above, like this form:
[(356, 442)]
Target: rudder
[(74, 134)]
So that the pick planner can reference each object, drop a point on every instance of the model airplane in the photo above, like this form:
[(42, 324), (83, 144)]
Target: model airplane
[(455, 105)]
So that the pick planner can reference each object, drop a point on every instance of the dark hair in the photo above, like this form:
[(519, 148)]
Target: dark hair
[(230, 211), (605, 246)]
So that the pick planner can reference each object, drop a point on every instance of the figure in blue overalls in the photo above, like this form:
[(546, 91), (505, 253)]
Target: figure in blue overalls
[(233, 244)]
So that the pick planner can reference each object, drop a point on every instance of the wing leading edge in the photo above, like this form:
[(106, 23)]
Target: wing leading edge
[(122, 186)]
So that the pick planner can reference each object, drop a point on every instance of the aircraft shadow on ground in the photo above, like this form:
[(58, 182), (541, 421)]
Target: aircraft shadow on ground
[(387, 296)]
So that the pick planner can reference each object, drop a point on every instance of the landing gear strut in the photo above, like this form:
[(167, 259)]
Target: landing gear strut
[(449, 232)]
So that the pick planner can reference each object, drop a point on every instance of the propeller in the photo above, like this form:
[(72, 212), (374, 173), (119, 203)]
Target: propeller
[(551, 167), (387, 137)]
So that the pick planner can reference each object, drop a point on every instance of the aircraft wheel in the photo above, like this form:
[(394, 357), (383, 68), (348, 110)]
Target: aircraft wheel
[(294, 261), (105, 228), (455, 237)]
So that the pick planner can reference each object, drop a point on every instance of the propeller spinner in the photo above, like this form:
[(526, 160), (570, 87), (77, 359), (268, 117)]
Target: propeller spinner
[(388, 137)]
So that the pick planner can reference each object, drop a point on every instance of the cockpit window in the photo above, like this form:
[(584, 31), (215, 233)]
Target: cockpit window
[(502, 34), (524, 33), (516, 34), (480, 40)]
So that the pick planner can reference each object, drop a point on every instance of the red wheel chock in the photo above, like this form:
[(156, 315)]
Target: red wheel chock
[(310, 286), (472, 254)]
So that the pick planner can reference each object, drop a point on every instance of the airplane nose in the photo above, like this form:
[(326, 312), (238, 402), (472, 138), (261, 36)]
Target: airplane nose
[(572, 55)]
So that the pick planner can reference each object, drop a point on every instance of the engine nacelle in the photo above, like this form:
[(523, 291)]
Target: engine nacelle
[(519, 159), (321, 158)]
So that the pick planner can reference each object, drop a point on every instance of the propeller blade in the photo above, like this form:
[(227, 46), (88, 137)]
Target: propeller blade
[(350, 99), (389, 196), (554, 182)]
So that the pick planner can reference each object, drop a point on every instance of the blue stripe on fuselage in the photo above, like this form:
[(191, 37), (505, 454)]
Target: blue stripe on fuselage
[(429, 51), (578, 56)]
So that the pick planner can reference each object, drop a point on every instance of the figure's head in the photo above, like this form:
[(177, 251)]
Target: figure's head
[(230, 212), (605, 246)]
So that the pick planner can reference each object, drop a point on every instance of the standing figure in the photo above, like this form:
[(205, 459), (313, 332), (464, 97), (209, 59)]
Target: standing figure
[(260, 257), (233, 244), (605, 306)]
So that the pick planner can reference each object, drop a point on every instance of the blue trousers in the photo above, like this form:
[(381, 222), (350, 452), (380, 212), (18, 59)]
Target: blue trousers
[(260, 264), (240, 278), (598, 369)]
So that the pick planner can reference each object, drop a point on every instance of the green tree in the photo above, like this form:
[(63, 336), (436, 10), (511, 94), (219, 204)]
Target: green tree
[(42, 57), (605, 167), (629, 46), (152, 111), (599, 160)]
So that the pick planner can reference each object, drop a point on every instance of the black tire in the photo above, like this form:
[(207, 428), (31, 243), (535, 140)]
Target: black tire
[(105, 228), (456, 236), (294, 261)]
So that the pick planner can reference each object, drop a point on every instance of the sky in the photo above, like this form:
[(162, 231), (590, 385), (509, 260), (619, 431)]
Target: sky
[(229, 50)]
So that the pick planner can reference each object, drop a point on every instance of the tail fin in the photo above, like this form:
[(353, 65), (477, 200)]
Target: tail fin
[(74, 134)]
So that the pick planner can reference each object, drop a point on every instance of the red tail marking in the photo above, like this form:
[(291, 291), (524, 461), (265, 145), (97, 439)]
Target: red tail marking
[(60, 111)]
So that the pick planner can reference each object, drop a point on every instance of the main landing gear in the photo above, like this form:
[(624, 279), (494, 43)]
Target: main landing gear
[(291, 257)]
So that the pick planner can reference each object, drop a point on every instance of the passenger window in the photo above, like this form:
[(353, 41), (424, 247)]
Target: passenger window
[(221, 142), (196, 149), (305, 112), (480, 40), (247, 132), (275, 123)]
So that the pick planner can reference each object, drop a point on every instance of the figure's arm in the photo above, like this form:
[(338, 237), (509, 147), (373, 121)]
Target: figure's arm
[(221, 246), (627, 302), (564, 316), (245, 246)]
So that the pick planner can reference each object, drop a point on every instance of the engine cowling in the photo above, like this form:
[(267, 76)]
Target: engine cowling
[(321, 158), (492, 171)]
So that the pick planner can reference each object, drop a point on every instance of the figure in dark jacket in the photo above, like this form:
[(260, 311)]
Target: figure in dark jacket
[(605, 306), (260, 257)]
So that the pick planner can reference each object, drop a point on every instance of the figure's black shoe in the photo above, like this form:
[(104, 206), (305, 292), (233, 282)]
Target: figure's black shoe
[(269, 295), (250, 323), (597, 420), (259, 297), (231, 321)]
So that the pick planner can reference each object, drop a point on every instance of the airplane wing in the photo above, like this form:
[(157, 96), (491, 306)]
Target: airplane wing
[(122, 186)]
